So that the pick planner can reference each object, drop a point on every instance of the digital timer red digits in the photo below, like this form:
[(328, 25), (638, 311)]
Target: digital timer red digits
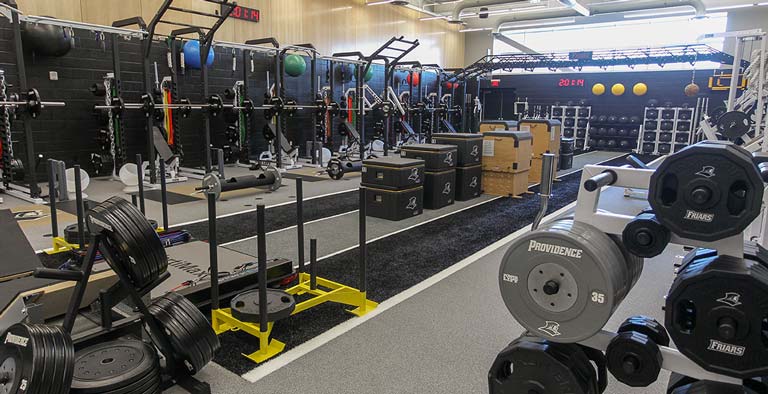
[(565, 82)]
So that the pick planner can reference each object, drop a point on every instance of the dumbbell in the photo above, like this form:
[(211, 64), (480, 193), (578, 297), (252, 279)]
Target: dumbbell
[(664, 148), (612, 144), (624, 119), (651, 125), (581, 133), (583, 112), (652, 114), (570, 111), (634, 132), (612, 131), (684, 126), (668, 114), (568, 132), (569, 122), (622, 132), (623, 144), (582, 123), (667, 125), (649, 137), (602, 119), (613, 119), (665, 137), (681, 138), (634, 120), (634, 355)]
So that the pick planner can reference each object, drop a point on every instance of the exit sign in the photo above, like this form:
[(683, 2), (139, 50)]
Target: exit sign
[(244, 13)]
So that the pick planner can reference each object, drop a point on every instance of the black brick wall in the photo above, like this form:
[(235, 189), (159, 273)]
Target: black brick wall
[(69, 133)]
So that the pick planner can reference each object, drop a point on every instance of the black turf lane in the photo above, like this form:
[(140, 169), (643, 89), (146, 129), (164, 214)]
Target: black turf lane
[(243, 225), (397, 263)]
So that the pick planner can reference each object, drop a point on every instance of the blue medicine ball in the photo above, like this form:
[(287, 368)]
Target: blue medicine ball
[(192, 55)]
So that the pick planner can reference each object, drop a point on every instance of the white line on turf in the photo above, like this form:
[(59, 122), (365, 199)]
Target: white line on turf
[(288, 357), (269, 206)]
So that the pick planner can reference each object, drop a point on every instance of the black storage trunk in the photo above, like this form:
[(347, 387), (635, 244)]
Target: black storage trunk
[(567, 145), (393, 172), (469, 182), (439, 189), (436, 157), (566, 161), (469, 146), (394, 204)]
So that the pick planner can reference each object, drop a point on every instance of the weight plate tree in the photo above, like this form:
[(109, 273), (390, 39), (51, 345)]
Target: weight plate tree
[(191, 335), (140, 251), (36, 359), (564, 280), (125, 365), (707, 192)]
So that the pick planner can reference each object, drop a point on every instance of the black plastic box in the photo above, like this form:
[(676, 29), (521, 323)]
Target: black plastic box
[(469, 182), (439, 189), (436, 157), (394, 205), (469, 146), (393, 172)]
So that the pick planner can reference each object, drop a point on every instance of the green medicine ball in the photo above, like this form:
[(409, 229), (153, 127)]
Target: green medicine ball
[(369, 75), (295, 65)]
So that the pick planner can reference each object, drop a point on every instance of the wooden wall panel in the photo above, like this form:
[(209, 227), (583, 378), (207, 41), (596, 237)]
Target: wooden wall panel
[(331, 25)]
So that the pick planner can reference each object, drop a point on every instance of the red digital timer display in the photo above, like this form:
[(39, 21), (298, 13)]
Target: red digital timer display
[(567, 83), (245, 13)]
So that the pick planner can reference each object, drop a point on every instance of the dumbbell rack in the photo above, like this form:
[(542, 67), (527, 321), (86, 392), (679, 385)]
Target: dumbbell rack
[(681, 119), (567, 113), (596, 136)]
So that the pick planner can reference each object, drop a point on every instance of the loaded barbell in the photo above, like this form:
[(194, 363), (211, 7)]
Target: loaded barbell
[(212, 184), (32, 103)]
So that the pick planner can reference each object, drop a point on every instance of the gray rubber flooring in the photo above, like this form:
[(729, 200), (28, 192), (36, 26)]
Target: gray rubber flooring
[(444, 339)]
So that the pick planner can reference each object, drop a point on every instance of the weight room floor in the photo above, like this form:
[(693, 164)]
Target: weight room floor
[(377, 338), (439, 337)]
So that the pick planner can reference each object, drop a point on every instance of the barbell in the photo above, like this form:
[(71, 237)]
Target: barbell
[(214, 105), (32, 102)]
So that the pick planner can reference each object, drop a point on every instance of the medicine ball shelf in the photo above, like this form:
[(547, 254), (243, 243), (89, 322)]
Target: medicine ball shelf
[(664, 127), (575, 121)]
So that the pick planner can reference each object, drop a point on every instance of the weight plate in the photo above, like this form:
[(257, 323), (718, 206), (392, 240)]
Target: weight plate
[(204, 326), (8, 376), (47, 362), (647, 326), (733, 124), (150, 379), (112, 365), (121, 241), (202, 330), (534, 365), (716, 314), (55, 359), (68, 356), (578, 257), (20, 358), (707, 192), (212, 184), (245, 306), (278, 178), (335, 169), (137, 252), (644, 236), (185, 346), (151, 238), (156, 258), (634, 359)]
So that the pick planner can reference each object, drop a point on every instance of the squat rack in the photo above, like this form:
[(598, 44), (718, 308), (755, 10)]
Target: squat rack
[(31, 97)]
